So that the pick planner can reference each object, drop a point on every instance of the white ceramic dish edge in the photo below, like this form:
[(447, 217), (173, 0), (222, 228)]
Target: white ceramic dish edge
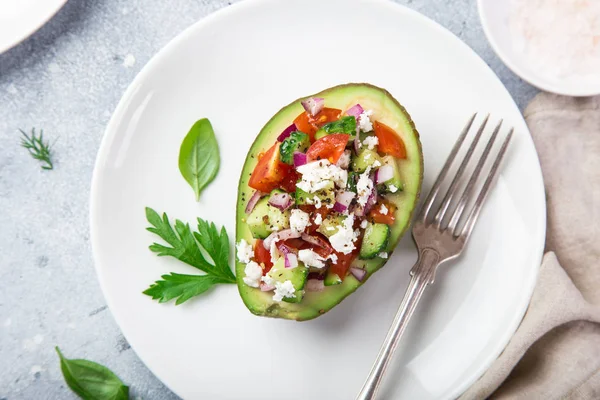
[(164, 52), (530, 77)]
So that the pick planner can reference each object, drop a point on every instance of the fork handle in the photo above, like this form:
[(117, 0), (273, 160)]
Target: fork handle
[(422, 274)]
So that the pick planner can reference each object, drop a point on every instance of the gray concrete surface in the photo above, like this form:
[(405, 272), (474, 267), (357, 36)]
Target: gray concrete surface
[(67, 79)]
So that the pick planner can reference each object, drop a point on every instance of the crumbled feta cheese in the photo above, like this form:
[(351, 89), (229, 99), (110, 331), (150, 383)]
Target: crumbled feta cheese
[(318, 219), (330, 228), (376, 163), (268, 280), (317, 175), (274, 250), (311, 259), (316, 201), (343, 240), (244, 251), (368, 157), (364, 187), (383, 254), (371, 142), (383, 209), (364, 224), (299, 220), (333, 258), (364, 121), (393, 188), (253, 273), (285, 289)]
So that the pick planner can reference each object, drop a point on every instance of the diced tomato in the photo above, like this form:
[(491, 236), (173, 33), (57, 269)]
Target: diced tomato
[(375, 215), (269, 172), (310, 125), (262, 255), (303, 124), (389, 141), (326, 115), (289, 181), (343, 263), (330, 147), (294, 243)]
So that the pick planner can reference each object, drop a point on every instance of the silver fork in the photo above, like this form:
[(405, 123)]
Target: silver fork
[(436, 241)]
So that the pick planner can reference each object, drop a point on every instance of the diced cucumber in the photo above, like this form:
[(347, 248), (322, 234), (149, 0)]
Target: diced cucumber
[(366, 158), (326, 195), (296, 275), (297, 141), (375, 240), (331, 224), (320, 134), (345, 124), (332, 279), (265, 218), (394, 184)]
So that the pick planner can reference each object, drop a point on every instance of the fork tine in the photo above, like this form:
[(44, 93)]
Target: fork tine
[(436, 186), (467, 193), (468, 228), (439, 216)]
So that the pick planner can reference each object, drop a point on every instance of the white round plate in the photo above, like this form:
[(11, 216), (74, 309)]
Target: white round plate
[(238, 67), (21, 18)]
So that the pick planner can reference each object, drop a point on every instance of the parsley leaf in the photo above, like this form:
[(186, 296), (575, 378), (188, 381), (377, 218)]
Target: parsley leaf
[(92, 381), (181, 287), (343, 125), (207, 250)]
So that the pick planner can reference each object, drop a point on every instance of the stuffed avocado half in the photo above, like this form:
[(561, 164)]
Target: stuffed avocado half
[(326, 192)]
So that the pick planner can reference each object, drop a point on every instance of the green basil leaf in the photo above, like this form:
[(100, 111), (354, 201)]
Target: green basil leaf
[(92, 381), (199, 156), (343, 125)]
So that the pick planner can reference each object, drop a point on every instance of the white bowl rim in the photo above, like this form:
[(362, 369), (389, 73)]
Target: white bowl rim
[(532, 79)]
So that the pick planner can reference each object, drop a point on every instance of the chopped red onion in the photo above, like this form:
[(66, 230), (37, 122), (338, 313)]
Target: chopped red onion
[(345, 198), (291, 260), (253, 200), (266, 288), (357, 144), (371, 201), (358, 273), (340, 208), (307, 238), (281, 235), (355, 111), (314, 105), (314, 285), (384, 174), (287, 132), (299, 159), (281, 200), (344, 161), (359, 210), (286, 249)]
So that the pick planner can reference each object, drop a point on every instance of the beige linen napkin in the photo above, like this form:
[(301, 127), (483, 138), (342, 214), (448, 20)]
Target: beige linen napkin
[(555, 353)]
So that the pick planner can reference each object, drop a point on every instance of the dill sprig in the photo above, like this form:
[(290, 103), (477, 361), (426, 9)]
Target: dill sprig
[(38, 149)]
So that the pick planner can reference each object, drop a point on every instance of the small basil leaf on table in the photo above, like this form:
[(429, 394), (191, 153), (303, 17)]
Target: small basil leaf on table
[(92, 381), (199, 156)]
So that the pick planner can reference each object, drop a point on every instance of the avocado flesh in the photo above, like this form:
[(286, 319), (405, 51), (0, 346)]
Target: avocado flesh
[(386, 110)]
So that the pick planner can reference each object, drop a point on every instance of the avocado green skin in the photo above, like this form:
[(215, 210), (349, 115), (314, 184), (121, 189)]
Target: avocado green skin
[(388, 111)]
